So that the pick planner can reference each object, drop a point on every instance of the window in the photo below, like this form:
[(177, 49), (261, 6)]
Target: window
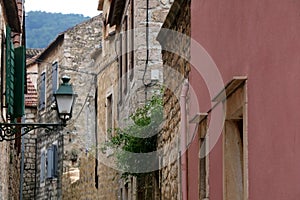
[(42, 98), (108, 30), (52, 161), (124, 192), (131, 66), (203, 161), (123, 58), (120, 71), (54, 79), (233, 160), (125, 54), (42, 165), (234, 139), (109, 115)]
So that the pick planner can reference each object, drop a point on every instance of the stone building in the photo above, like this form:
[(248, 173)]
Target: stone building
[(132, 73), (61, 156), (28, 150), (175, 40), (29, 143), (12, 106)]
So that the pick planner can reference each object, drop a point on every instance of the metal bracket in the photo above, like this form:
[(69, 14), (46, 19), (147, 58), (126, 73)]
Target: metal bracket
[(8, 130)]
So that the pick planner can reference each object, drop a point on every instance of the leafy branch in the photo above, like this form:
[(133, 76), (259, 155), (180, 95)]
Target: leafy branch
[(140, 136)]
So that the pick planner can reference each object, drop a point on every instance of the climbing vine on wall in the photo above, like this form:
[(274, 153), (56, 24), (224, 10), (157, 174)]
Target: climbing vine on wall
[(140, 136)]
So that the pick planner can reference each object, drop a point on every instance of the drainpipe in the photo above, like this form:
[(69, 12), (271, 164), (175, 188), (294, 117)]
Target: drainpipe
[(183, 131)]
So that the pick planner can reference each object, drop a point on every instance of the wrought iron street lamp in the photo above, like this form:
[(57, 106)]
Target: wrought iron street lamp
[(64, 98)]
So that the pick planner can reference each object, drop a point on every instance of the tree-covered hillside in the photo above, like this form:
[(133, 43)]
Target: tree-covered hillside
[(43, 27)]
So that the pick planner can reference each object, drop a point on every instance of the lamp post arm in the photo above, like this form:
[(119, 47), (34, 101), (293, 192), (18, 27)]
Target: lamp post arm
[(7, 130)]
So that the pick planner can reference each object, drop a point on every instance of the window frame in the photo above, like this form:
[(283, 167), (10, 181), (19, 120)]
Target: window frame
[(203, 159), (109, 115), (237, 109), (43, 92), (131, 38), (55, 78), (43, 166), (52, 161)]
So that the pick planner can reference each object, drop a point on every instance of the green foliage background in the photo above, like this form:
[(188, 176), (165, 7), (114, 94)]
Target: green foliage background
[(42, 27)]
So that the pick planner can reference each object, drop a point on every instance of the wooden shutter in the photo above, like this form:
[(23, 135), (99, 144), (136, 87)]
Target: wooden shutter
[(19, 88), (10, 72)]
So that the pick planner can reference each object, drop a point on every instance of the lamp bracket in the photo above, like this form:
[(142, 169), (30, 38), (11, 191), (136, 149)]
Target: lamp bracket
[(9, 131)]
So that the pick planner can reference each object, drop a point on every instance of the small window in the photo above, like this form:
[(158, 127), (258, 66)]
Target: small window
[(125, 54), (42, 99), (131, 40), (203, 155), (121, 70), (109, 115), (234, 136), (42, 166), (124, 192), (54, 79), (52, 161)]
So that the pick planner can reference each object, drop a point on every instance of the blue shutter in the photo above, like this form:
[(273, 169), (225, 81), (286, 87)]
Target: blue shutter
[(42, 172), (42, 99), (55, 161), (50, 162), (10, 72)]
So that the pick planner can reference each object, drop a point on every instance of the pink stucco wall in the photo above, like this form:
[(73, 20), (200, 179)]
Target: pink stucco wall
[(258, 39)]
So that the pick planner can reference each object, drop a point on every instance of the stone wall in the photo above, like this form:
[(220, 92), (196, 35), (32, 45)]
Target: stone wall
[(177, 20), (73, 50), (4, 146), (9, 156), (107, 86), (4, 161), (48, 188), (129, 78), (80, 45), (14, 174), (146, 74), (29, 177), (84, 188), (142, 84)]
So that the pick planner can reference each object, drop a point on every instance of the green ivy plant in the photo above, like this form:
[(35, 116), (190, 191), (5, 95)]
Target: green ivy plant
[(140, 136)]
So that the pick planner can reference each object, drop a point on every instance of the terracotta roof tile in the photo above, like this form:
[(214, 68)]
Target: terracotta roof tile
[(31, 55), (32, 52), (31, 98)]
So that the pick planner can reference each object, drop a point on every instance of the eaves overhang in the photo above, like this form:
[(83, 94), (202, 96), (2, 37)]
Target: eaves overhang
[(10, 10)]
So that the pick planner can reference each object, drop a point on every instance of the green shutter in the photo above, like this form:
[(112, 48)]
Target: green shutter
[(9, 93), (19, 81)]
